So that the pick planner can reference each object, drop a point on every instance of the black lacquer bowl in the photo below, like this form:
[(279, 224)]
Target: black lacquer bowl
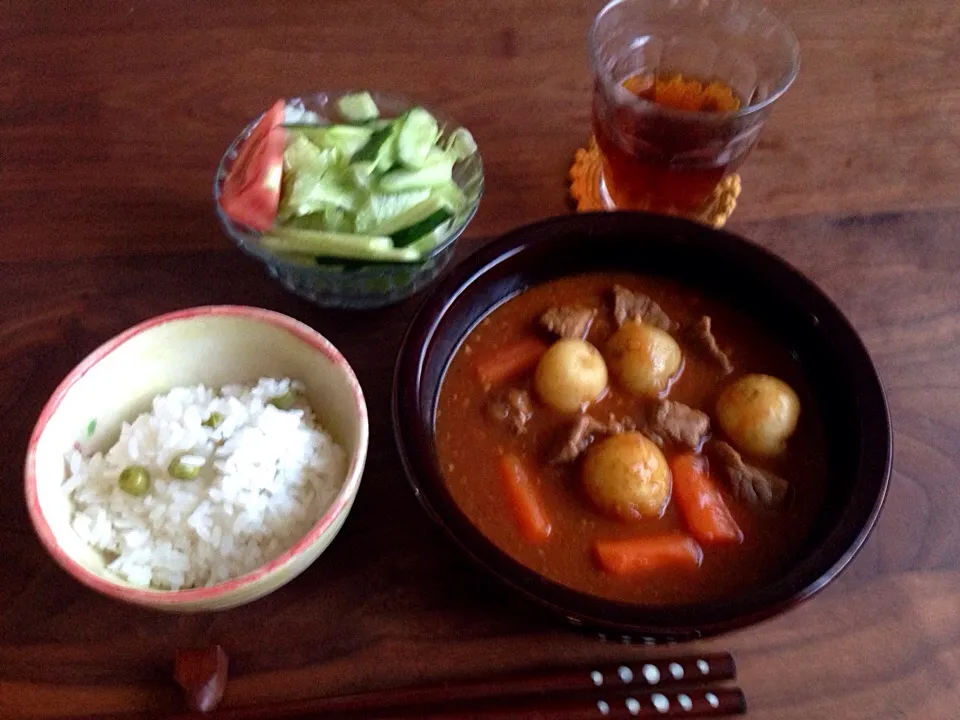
[(790, 308)]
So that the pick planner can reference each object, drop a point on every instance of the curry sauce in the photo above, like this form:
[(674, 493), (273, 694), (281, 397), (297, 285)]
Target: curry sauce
[(470, 444)]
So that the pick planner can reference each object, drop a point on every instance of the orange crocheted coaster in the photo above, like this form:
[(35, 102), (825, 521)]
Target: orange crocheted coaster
[(585, 188)]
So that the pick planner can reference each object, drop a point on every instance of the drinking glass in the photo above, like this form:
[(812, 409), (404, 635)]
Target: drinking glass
[(682, 89)]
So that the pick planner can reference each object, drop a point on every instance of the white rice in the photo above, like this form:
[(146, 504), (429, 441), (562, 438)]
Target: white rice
[(267, 476)]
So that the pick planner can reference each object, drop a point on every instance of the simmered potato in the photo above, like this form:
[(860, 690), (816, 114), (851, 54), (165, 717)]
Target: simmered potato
[(627, 476), (759, 413), (570, 375), (643, 358)]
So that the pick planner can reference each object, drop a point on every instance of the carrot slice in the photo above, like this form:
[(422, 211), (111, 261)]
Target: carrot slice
[(524, 500), (511, 361), (647, 552), (701, 502)]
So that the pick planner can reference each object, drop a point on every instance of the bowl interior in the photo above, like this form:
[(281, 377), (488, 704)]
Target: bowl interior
[(791, 309), (213, 346)]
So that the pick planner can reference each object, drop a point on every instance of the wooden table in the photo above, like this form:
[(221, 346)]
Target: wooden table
[(112, 118)]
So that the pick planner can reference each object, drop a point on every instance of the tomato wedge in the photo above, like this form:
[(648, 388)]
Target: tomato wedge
[(251, 190)]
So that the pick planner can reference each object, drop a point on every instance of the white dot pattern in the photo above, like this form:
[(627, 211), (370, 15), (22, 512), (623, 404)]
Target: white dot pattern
[(713, 700), (603, 707), (685, 702), (676, 670), (651, 673), (703, 666), (660, 702), (633, 706), (597, 678), (625, 673)]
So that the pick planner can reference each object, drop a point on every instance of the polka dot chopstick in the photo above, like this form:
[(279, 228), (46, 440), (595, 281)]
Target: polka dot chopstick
[(678, 687)]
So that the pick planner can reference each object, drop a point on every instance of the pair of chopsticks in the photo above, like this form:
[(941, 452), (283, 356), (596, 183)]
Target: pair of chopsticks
[(681, 687)]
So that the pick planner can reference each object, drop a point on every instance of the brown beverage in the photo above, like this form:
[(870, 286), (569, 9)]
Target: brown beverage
[(669, 161)]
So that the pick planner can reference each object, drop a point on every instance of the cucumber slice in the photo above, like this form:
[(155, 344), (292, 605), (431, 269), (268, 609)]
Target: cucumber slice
[(341, 245), (371, 150), (309, 240), (388, 153), (451, 194), (302, 156), (461, 143), (429, 176), (438, 155), (406, 236), (361, 175), (310, 193), (411, 216), (433, 238), (418, 133), (358, 107), (347, 139), (382, 207)]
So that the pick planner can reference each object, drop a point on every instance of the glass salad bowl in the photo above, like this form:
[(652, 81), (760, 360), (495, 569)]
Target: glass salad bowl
[(353, 283)]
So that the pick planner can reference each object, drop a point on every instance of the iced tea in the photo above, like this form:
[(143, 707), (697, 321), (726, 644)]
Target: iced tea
[(681, 93), (663, 164)]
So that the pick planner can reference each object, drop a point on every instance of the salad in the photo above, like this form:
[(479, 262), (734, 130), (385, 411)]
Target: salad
[(367, 189)]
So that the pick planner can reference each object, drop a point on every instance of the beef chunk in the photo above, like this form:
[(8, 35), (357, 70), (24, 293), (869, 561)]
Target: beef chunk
[(750, 485), (628, 305), (678, 423), (568, 321), (702, 339), (579, 438), (513, 408), (583, 432)]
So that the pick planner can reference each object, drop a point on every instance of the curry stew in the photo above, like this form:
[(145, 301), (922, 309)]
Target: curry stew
[(632, 438)]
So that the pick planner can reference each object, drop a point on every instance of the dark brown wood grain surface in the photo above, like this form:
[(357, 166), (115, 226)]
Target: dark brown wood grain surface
[(113, 115)]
